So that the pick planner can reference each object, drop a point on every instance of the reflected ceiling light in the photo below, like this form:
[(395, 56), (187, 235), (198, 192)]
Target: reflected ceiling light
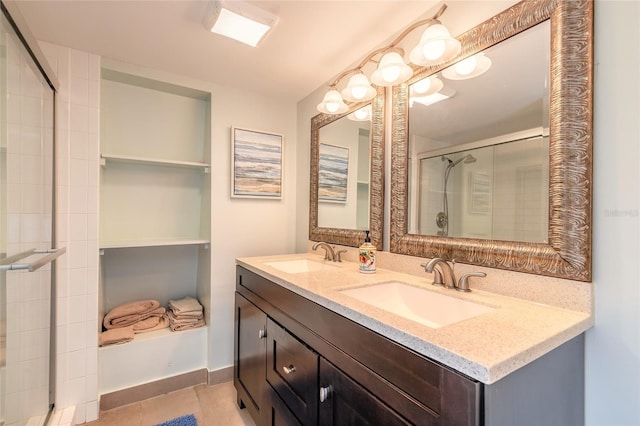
[(362, 114), (470, 67), (436, 45), (426, 86), (239, 20), (391, 71), (426, 100), (332, 103), (358, 89)]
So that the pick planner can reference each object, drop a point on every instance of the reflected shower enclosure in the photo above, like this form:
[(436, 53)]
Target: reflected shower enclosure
[(493, 192)]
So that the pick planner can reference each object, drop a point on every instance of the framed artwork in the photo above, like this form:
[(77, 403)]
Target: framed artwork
[(333, 173), (256, 164)]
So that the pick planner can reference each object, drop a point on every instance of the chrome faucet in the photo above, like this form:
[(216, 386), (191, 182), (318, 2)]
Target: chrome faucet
[(445, 276), (329, 253), (463, 282)]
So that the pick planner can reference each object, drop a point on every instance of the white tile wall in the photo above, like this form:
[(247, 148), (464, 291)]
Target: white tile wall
[(28, 298), (78, 123)]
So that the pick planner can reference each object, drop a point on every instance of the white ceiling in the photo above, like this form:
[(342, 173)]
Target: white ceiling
[(312, 42)]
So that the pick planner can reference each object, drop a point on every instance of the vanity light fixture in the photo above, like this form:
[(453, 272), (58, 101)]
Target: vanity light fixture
[(362, 114), (470, 67), (358, 89), (426, 87), (239, 20), (332, 103), (391, 71), (436, 45)]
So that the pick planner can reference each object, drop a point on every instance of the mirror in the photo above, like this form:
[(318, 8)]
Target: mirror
[(347, 156), (485, 176), (561, 243)]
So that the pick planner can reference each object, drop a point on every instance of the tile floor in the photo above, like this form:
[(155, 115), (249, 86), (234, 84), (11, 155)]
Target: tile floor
[(211, 405)]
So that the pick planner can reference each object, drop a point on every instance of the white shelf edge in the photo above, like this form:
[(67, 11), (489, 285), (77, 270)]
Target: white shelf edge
[(151, 243), (147, 160), (164, 333)]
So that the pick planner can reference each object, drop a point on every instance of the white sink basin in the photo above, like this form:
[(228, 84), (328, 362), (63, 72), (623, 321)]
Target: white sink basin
[(426, 307), (298, 266)]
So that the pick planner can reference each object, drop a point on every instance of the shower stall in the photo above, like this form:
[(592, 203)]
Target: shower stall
[(27, 232)]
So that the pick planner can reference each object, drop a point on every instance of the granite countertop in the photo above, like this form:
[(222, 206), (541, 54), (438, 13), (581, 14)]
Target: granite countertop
[(487, 347)]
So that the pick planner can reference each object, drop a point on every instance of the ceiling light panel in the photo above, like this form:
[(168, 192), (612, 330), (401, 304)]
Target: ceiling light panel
[(239, 20)]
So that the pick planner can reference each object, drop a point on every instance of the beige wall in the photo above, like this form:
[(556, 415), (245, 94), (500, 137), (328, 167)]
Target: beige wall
[(613, 345)]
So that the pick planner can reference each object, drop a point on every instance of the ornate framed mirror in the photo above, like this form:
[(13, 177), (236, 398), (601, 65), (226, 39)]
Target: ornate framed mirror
[(563, 249), (347, 175)]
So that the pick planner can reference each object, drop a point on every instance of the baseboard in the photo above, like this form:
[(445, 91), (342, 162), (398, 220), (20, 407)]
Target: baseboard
[(220, 376), (133, 394)]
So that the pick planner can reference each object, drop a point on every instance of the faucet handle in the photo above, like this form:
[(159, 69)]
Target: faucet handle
[(463, 282), (338, 253), (437, 275)]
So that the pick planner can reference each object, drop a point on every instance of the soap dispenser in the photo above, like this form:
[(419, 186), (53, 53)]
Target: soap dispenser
[(367, 256)]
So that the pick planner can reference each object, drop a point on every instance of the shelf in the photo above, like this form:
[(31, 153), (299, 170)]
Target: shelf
[(106, 158), (158, 334), (150, 357), (151, 243)]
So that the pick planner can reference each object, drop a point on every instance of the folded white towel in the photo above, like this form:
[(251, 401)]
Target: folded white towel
[(187, 305), (130, 313), (173, 319), (181, 327)]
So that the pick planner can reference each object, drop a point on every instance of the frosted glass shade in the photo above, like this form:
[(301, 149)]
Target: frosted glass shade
[(332, 103), (358, 89), (426, 87), (436, 46), (391, 71), (470, 67)]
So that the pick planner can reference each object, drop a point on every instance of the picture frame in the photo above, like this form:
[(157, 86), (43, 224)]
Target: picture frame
[(333, 173), (256, 164)]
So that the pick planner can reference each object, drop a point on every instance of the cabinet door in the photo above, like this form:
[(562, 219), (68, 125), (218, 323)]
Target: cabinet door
[(250, 354), (345, 402), (292, 371), (278, 413)]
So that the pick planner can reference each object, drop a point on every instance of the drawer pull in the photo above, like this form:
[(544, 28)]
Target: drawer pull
[(290, 369), (325, 393), (262, 334)]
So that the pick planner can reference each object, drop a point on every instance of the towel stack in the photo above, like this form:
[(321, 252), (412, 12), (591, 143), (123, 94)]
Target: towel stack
[(185, 314), (125, 320)]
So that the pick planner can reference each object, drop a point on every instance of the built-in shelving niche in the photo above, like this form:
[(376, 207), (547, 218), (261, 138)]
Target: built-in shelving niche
[(155, 186)]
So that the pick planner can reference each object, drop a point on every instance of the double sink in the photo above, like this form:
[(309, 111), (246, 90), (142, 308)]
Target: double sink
[(426, 307)]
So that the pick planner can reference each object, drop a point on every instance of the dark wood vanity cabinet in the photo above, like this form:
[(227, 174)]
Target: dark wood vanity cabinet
[(345, 402), (292, 372), (319, 367), (249, 368)]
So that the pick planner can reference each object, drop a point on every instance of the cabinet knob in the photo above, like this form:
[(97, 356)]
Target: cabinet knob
[(288, 370), (262, 333), (325, 393)]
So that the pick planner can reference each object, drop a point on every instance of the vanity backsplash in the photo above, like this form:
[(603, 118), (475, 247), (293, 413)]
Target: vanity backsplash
[(561, 293)]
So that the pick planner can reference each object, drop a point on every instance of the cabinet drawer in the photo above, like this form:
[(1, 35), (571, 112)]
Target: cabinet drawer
[(292, 371)]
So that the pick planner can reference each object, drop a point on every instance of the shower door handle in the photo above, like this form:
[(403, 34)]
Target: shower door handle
[(10, 263)]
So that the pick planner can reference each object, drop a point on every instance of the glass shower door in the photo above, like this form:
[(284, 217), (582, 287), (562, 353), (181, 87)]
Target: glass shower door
[(26, 233)]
